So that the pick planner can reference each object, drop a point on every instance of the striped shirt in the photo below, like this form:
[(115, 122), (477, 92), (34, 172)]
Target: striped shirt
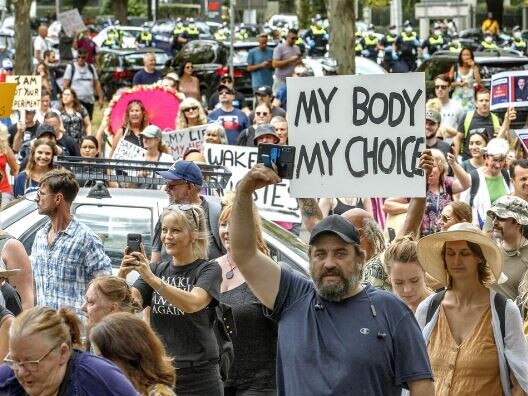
[(63, 269)]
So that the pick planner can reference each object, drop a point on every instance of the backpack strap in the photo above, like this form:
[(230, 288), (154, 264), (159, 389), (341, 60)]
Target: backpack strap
[(434, 304), (475, 181), (214, 207), (500, 306), (506, 176)]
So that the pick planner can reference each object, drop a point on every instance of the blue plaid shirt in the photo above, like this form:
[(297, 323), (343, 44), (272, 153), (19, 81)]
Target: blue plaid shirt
[(63, 269)]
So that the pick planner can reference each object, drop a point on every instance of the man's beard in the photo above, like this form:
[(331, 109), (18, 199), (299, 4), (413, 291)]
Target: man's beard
[(335, 291)]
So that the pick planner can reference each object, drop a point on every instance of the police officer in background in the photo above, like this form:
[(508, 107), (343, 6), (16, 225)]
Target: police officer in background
[(360, 43), (316, 37), (406, 47), (433, 43), (386, 46), (191, 31), (488, 43), (454, 45), (222, 34), (371, 44), (178, 37), (518, 43), (144, 39)]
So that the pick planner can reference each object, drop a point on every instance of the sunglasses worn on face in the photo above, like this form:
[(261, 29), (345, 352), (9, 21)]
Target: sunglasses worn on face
[(261, 113), (445, 218), (191, 108), (441, 86), (498, 218)]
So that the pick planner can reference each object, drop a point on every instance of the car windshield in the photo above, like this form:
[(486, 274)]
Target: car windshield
[(136, 59), (294, 243), (113, 223)]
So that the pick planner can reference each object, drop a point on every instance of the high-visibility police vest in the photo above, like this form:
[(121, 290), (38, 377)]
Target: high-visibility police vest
[(467, 122), (436, 41), (407, 44), (370, 42), (109, 42), (455, 47), (390, 38), (242, 35), (178, 30), (487, 45), (220, 36), (193, 32), (519, 44), (359, 46), (316, 31), (145, 37)]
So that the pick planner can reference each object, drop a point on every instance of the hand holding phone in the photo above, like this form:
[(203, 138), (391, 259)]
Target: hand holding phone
[(282, 156), (134, 243)]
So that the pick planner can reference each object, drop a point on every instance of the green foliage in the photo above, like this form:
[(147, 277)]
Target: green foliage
[(287, 6), (137, 8), (168, 10), (304, 12), (377, 3)]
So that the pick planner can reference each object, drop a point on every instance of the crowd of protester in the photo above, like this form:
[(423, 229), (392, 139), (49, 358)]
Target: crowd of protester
[(452, 318)]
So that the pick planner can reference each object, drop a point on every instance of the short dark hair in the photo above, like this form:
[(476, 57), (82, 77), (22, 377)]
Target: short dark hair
[(294, 31), (444, 77), (61, 181), (82, 51), (481, 91), (52, 114), (523, 163)]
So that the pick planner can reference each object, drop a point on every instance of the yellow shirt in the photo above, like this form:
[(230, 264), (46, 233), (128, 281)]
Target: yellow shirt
[(468, 369)]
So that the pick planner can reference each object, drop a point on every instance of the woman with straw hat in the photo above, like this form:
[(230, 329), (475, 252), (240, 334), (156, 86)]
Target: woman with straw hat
[(468, 352)]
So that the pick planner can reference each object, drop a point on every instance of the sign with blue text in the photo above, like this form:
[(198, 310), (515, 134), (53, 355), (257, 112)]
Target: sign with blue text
[(357, 136)]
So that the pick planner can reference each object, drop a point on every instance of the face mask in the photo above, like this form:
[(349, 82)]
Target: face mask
[(408, 29), (488, 39), (394, 32), (370, 33), (456, 42), (437, 32), (517, 35)]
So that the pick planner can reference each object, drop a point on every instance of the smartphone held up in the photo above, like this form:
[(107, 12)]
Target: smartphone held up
[(282, 156)]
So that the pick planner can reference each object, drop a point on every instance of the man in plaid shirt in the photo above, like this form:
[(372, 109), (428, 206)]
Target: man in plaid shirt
[(66, 255)]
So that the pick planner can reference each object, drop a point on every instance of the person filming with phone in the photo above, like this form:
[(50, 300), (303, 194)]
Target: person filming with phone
[(334, 333), (179, 291)]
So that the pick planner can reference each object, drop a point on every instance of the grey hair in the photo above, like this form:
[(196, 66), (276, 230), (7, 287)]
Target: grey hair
[(218, 130), (374, 234)]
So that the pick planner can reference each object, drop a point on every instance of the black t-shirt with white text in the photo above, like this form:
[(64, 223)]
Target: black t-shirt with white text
[(186, 336)]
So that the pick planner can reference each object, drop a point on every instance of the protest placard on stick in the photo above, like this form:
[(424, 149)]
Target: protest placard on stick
[(509, 89), (128, 151), (27, 95), (182, 139), (357, 136), (71, 22)]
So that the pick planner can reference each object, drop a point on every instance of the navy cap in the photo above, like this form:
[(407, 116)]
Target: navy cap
[(338, 225), (223, 87), (183, 170), (45, 128)]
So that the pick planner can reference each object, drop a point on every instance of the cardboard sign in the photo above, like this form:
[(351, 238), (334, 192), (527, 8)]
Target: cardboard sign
[(27, 95), (274, 202), (182, 139), (71, 22), (357, 136), (7, 94), (128, 151), (509, 89)]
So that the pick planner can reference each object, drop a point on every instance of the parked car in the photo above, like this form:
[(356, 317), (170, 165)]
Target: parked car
[(364, 66), (210, 59), (129, 35), (162, 33), (116, 67), (124, 211), (284, 19)]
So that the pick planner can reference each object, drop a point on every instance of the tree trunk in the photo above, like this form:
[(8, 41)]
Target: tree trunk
[(341, 19), (81, 4), (23, 44), (120, 11)]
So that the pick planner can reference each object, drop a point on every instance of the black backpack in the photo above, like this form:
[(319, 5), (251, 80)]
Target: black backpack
[(475, 181)]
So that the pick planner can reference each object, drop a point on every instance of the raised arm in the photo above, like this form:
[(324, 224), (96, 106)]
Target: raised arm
[(462, 179), (261, 272)]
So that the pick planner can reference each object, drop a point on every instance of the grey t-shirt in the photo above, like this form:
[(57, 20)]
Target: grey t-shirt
[(514, 267), (83, 81), (282, 52)]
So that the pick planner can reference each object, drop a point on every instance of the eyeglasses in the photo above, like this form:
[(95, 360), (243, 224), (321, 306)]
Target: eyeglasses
[(41, 194), (29, 365), (441, 86), (445, 218), (261, 113), (193, 108)]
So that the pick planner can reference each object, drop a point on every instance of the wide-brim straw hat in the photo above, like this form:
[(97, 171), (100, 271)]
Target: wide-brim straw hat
[(430, 251)]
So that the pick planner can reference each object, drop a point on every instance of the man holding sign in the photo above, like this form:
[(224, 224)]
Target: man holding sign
[(334, 333)]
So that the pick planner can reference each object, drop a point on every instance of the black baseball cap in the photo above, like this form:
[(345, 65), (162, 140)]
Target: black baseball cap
[(338, 225), (45, 128), (223, 87)]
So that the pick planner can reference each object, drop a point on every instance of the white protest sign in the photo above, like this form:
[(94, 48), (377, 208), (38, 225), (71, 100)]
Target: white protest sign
[(274, 202), (71, 22), (27, 95), (357, 136), (509, 89), (128, 151), (181, 139)]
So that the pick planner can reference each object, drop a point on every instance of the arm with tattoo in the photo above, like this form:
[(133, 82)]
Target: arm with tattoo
[(310, 212)]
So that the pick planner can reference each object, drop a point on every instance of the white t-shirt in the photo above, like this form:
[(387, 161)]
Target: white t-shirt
[(40, 44), (452, 116)]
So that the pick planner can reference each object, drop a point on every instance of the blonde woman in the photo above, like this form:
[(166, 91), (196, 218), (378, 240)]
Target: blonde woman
[(7, 157), (191, 114), (179, 292), (40, 162)]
